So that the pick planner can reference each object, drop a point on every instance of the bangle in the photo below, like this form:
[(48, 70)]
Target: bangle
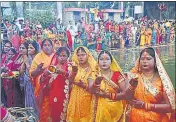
[(96, 85), (131, 88), (154, 106), (142, 104), (113, 96), (147, 106)]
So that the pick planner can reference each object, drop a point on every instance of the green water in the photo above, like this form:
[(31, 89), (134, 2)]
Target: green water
[(127, 58)]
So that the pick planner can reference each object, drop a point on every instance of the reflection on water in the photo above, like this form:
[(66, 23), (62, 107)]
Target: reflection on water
[(127, 58)]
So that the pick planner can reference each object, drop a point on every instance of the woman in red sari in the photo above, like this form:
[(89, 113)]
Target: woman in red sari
[(58, 83), (10, 82)]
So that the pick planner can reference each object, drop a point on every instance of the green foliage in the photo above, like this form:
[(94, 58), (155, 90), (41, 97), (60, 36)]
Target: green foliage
[(13, 8), (44, 17)]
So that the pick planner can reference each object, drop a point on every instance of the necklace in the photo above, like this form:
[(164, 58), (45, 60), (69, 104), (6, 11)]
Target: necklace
[(149, 78), (108, 79)]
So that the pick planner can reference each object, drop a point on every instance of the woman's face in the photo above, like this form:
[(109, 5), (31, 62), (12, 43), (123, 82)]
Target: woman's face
[(6, 47), (104, 61), (10, 54), (31, 50), (147, 61), (22, 49), (62, 58), (82, 57), (57, 45), (47, 48)]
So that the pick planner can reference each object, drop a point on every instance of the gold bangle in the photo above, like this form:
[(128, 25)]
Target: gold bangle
[(146, 106), (113, 95), (149, 106)]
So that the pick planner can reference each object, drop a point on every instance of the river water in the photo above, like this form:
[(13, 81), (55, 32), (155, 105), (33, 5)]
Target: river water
[(127, 58)]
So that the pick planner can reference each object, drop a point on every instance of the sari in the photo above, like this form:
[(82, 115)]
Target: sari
[(142, 41), (11, 85), (111, 110), (152, 93), (154, 33), (28, 87), (58, 92), (44, 106), (149, 36), (80, 104)]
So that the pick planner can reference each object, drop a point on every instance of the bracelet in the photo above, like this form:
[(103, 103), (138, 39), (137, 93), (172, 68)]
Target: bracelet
[(131, 88), (154, 106), (147, 106), (113, 95), (142, 104), (96, 85)]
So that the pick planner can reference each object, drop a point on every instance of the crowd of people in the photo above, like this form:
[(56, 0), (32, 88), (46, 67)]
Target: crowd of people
[(38, 70), (95, 35)]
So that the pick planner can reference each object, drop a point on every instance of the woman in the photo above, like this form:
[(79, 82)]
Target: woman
[(111, 90), (6, 46), (148, 36), (58, 90), (154, 95), (40, 62), (10, 81), (80, 104), (25, 78), (143, 33)]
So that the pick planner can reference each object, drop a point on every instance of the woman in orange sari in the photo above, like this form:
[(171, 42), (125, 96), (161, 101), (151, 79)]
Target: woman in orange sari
[(40, 62), (80, 104), (154, 96)]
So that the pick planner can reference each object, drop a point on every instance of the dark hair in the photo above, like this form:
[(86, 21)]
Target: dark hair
[(45, 41), (35, 45), (81, 48), (60, 49), (13, 50), (150, 51), (7, 41), (104, 51), (25, 44)]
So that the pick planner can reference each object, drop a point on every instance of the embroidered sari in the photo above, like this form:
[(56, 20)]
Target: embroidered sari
[(58, 92), (110, 110), (152, 93), (44, 107), (80, 104)]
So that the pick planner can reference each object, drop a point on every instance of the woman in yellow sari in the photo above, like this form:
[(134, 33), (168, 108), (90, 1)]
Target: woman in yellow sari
[(112, 90), (154, 96), (148, 35), (80, 104), (143, 35), (40, 62)]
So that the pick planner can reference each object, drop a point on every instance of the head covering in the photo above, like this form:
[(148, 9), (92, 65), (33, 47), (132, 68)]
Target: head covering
[(167, 84), (54, 60), (91, 59)]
